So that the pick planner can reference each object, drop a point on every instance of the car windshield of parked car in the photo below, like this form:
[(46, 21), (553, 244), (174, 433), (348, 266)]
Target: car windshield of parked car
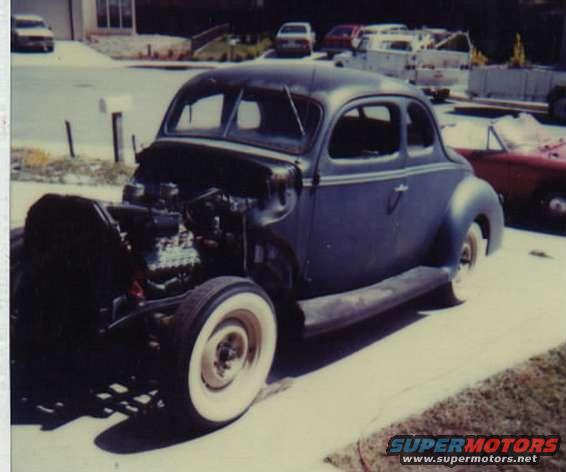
[(271, 119), (30, 24), (291, 29), (341, 31), (523, 133)]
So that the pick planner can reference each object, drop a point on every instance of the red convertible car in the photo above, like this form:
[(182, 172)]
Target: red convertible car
[(519, 157)]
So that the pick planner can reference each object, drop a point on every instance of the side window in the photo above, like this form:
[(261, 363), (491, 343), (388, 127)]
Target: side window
[(249, 116), (370, 131), (202, 115), (420, 132)]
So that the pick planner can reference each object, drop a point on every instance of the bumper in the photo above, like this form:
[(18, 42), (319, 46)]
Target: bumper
[(293, 49), (31, 43), (437, 77)]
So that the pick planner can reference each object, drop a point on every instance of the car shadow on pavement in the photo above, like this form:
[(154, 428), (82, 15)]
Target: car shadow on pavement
[(147, 427), (141, 433), (300, 357)]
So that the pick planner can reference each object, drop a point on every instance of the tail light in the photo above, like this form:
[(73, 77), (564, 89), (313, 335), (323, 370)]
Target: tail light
[(136, 290)]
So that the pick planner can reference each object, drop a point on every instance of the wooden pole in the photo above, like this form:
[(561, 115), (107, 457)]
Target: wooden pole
[(117, 137), (70, 138)]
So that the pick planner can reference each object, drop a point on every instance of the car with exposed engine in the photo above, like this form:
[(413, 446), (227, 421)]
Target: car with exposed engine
[(31, 32), (274, 202), (296, 38), (521, 159)]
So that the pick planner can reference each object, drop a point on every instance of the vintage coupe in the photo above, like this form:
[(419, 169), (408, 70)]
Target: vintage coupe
[(523, 162), (274, 199)]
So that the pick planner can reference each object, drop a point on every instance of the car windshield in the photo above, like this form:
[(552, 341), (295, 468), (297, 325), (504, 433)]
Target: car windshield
[(523, 133), (30, 24), (271, 119), (341, 31), (293, 29)]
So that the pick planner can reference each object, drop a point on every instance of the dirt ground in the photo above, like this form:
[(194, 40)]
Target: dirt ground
[(529, 399)]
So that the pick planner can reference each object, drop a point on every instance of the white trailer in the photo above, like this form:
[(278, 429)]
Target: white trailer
[(536, 84)]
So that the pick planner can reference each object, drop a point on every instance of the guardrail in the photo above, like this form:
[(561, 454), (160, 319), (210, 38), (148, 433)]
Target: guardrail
[(199, 40)]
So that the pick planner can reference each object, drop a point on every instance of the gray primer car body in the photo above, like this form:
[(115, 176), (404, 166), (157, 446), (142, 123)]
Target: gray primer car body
[(331, 240)]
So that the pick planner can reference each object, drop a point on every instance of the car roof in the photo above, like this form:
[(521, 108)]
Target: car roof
[(296, 23), (382, 26), (346, 25), (26, 16), (331, 86)]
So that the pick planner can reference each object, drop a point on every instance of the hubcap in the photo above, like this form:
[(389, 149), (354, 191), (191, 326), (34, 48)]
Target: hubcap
[(557, 206), (467, 261), (225, 354)]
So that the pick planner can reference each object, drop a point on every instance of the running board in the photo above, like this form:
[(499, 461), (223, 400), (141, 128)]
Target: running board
[(331, 312)]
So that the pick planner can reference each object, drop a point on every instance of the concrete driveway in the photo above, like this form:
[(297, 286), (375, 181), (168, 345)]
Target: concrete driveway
[(66, 53), (341, 386)]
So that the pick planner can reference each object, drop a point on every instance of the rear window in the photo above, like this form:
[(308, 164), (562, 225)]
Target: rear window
[(341, 31), (29, 24), (293, 29)]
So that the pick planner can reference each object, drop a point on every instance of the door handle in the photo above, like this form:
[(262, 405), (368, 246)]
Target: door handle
[(401, 188)]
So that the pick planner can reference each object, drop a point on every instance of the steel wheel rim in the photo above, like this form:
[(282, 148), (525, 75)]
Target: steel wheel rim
[(224, 397), (467, 262)]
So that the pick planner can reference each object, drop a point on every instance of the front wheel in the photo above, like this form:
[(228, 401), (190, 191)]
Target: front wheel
[(224, 338), (458, 290)]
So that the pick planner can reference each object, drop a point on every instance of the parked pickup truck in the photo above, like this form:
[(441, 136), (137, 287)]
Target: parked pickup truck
[(534, 84), (274, 201), (432, 59)]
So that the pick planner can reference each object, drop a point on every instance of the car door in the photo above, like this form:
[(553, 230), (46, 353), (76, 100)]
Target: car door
[(492, 164), (355, 218), (431, 179)]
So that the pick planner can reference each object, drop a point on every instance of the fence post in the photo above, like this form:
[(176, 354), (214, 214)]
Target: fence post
[(70, 139), (117, 137)]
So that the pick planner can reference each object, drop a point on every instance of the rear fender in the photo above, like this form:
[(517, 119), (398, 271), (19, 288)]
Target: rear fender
[(474, 200)]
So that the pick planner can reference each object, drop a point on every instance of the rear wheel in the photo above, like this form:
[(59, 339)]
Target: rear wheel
[(552, 207), (224, 340), (471, 253)]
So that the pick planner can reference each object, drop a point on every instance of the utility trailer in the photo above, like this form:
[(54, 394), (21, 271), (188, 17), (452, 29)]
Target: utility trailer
[(536, 84)]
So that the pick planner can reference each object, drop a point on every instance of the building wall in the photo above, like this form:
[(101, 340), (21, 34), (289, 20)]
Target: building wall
[(64, 16), (70, 19)]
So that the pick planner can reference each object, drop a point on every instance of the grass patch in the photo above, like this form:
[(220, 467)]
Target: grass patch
[(529, 399), (219, 50), (36, 165)]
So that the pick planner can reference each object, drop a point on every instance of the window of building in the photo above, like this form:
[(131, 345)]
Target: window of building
[(114, 13)]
